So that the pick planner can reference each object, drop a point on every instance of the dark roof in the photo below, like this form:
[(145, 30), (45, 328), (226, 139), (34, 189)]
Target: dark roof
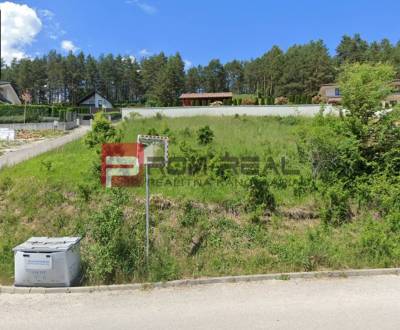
[(3, 99), (83, 99), (206, 95)]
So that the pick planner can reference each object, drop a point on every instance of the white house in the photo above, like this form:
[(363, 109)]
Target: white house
[(95, 100), (8, 94)]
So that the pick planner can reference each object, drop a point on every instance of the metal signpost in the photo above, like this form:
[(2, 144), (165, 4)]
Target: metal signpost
[(151, 143)]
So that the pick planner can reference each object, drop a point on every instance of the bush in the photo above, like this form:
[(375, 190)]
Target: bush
[(113, 251), (38, 113), (336, 206), (281, 100), (317, 99), (259, 194), (205, 135), (220, 170), (192, 215), (331, 150), (102, 132), (248, 101), (196, 160)]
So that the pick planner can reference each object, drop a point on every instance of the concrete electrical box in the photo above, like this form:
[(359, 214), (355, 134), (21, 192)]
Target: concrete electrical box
[(47, 262)]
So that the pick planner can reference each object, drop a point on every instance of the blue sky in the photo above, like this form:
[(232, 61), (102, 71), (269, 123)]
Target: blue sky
[(199, 30)]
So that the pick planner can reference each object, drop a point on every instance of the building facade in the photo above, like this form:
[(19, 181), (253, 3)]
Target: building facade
[(95, 100), (204, 99), (330, 93)]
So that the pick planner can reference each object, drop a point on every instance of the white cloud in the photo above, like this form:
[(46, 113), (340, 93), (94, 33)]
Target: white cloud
[(20, 25), (145, 7), (144, 53), (46, 13), (188, 64), (51, 25), (69, 46)]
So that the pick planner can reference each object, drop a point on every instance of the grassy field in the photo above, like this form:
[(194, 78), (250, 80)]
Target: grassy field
[(197, 229)]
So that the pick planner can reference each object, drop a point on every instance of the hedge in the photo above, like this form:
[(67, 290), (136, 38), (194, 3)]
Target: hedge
[(38, 113)]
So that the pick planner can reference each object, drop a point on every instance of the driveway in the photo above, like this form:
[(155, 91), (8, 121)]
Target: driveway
[(34, 149), (353, 303)]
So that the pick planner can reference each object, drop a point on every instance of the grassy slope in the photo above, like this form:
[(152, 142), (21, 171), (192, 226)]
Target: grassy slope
[(247, 136), (44, 197)]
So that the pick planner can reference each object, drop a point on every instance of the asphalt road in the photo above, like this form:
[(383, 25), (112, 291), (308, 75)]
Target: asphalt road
[(352, 303)]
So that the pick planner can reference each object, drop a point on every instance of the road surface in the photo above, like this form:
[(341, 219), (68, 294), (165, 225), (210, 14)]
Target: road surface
[(352, 303), (34, 149)]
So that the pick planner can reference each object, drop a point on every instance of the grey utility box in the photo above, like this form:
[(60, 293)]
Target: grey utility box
[(47, 262)]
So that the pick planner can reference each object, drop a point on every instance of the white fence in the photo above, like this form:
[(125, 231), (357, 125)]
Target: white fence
[(269, 110)]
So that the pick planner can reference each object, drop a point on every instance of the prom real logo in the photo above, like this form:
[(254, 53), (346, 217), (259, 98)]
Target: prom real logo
[(122, 165)]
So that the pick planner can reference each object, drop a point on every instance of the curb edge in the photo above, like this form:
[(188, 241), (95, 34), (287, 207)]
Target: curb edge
[(201, 281)]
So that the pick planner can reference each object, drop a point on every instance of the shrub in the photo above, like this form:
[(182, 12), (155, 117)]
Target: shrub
[(187, 132), (317, 99), (192, 215), (220, 168), (6, 184), (259, 194), (249, 101), (102, 132), (114, 249), (303, 185), (331, 150), (336, 206), (205, 135), (153, 132), (363, 87), (281, 100), (195, 159)]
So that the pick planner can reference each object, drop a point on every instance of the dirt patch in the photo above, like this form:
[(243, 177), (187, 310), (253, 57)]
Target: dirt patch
[(299, 213)]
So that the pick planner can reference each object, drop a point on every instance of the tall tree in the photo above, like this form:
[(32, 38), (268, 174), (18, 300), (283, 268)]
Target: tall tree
[(151, 68), (214, 77), (193, 80), (306, 68), (171, 82), (352, 49), (235, 76), (273, 66)]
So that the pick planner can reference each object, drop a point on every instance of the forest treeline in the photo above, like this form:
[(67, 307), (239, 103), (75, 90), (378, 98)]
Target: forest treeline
[(160, 79)]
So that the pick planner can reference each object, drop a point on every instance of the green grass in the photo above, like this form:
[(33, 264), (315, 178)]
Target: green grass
[(57, 194), (69, 166), (263, 137)]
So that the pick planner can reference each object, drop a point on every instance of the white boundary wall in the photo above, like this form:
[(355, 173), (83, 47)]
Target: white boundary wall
[(270, 110)]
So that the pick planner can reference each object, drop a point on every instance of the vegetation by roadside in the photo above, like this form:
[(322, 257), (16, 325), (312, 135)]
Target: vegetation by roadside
[(333, 204)]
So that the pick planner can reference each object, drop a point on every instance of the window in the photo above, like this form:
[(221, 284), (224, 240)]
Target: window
[(337, 92)]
